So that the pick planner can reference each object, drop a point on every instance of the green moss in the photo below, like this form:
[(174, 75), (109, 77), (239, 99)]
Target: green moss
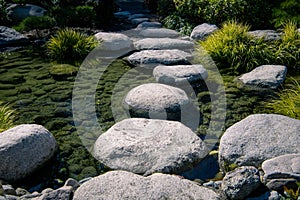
[(62, 71)]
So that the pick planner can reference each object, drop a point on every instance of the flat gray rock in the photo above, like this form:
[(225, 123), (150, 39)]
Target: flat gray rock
[(17, 12), (146, 146), (241, 182), (257, 138), (156, 101), (23, 149), (125, 185), (136, 16), (179, 74), (268, 35), (159, 33), (152, 58), (283, 168), (10, 37), (137, 21), (122, 14), (114, 42), (201, 31), (163, 43), (265, 76), (149, 25)]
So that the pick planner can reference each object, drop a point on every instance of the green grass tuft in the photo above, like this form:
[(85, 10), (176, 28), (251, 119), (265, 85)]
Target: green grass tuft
[(7, 115), (288, 102), (69, 46)]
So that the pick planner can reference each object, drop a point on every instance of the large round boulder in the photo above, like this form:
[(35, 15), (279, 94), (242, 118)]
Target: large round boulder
[(18, 12), (114, 42), (11, 37), (125, 185), (23, 149), (156, 101), (257, 138), (146, 146)]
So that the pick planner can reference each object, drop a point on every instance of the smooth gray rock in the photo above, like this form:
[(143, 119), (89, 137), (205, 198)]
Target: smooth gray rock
[(23, 149), (137, 21), (21, 192), (239, 183), (281, 169), (8, 189), (278, 184), (63, 193), (136, 16), (114, 42), (72, 182), (17, 12), (147, 146), (122, 14), (149, 25), (159, 33), (10, 37), (156, 101), (268, 35), (265, 76), (125, 185), (152, 58), (179, 74), (257, 138), (10, 197), (163, 43), (201, 31)]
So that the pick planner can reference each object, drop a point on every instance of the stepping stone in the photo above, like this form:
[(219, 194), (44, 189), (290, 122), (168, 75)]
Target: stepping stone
[(151, 58), (125, 185), (149, 25), (122, 15), (268, 35), (265, 76), (156, 101), (146, 146), (114, 42), (281, 170), (202, 31), (180, 74), (23, 149), (136, 16), (137, 21), (10, 37), (159, 33), (163, 43), (258, 138)]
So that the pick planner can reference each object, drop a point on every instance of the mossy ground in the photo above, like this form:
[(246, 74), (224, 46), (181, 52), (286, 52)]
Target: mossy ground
[(25, 83)]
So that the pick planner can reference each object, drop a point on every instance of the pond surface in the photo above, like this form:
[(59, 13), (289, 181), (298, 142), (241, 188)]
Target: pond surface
[(39, 97)]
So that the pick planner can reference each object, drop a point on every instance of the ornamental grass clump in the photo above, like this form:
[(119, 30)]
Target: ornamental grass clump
[(288, 101), (288, 48), (7, 116), (232, 47), (70, 45)]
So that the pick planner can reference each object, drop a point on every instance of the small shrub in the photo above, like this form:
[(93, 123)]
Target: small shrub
[(286, 11), (81, 16), (255, 12), (36, 23), (104, 11), (232, 47), (177, 23), (288, 102), (7, 115), (69, 45)]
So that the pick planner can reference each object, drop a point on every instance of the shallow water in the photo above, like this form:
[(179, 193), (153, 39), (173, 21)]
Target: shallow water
[(39, 97)]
